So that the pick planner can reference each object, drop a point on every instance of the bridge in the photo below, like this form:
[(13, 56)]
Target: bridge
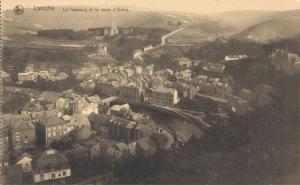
[(194, 116)]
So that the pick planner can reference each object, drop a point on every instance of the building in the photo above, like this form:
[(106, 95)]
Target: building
[(50, 165), (120, 110), (90, 108), (235, 58), (122, 129), (131, 93), (164, 96), (93, 146), (149, 70), (184, 63), (138, 70), (101, 125), (285, 61), (111, 31), (27, 76), (102, 50), (25, 160), (32, 108), (108, 89), (213, 87), (53, 129), (23, 136), (44, 74), (190, 92), (94, 99), (78, 121), (62, 76), (5, 76)]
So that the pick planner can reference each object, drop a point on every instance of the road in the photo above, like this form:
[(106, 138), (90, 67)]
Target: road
[(164, 40)]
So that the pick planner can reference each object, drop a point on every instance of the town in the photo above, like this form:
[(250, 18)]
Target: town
[(63, 121)]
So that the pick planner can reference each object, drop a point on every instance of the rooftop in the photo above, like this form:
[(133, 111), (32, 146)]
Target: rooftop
[(53, 121), (50, 160), (162, 89)]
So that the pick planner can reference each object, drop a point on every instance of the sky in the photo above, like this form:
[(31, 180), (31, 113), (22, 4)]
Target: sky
[(190, 6)]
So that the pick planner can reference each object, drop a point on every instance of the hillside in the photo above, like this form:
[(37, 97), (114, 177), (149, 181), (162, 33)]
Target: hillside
[(241, 20), (260, 26), (32, 20), (276, 29)]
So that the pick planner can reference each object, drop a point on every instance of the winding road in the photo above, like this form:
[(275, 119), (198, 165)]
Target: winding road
[(164, 40)]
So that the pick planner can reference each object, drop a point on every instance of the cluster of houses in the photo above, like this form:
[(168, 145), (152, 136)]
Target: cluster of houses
[(135, 83), (45, 140), (30, 75), (217, 87)]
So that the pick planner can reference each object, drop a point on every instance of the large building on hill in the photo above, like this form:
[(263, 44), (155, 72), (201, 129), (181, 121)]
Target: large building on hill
[(285, 61)]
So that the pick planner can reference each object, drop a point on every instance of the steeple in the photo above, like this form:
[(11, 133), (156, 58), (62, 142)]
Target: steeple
[(113, 28)]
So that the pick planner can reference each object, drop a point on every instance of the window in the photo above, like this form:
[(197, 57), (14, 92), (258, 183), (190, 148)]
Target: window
[(41, 177), (53, 175), (49, 134), (64, 173), (59, 175)]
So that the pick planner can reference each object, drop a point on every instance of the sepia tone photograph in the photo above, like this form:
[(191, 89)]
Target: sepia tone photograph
[(150, 92)]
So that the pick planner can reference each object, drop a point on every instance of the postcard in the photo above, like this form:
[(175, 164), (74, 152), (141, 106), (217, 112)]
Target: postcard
[(148, 92)]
